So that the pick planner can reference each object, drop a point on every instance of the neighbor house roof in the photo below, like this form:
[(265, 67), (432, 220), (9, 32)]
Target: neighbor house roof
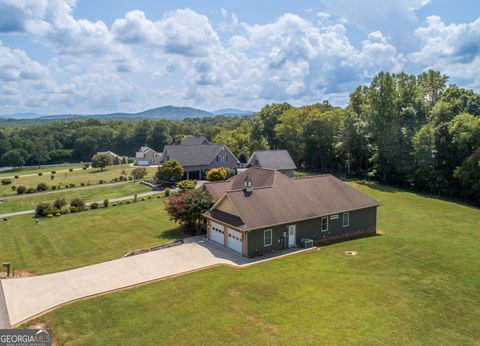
[(189, 140), (273, 159), (290, 200), (145, 149), (192, 155)]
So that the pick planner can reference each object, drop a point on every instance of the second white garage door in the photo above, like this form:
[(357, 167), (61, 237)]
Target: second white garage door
[(217, 233), (234, 240)]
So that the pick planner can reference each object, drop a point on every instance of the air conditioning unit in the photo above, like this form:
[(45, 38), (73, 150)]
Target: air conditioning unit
[(306, 243)]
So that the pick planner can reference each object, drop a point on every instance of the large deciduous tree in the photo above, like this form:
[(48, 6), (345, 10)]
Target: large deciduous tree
[(101, 161), (169, 171), (187, 208)]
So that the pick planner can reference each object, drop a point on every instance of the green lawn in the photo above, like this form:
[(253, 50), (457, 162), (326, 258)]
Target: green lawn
[(42, 169), (417, 284), (76, 240), (89, 176), (90, 194)]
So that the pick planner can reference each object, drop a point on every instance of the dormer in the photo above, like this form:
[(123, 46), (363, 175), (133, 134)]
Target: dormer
[(247, 185)]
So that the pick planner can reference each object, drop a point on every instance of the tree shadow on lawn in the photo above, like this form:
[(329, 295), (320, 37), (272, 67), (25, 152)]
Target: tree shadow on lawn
[(392, 189), (171, 234)]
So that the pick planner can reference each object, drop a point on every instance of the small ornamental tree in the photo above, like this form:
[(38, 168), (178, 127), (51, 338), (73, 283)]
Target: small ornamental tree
[(169, 171), (60, 203), (41, 187), (101, 161), (217, 174), (77, 204), (187, 208), (139, 173), (185, 185)]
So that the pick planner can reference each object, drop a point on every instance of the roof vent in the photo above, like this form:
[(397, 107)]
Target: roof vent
[(247, 185)]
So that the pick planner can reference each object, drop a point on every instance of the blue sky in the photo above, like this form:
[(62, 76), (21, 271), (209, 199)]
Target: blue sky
[(67, 56)]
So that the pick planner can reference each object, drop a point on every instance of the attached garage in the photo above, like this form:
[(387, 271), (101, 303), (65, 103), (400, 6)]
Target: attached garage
[(234, 240), (217, 233)]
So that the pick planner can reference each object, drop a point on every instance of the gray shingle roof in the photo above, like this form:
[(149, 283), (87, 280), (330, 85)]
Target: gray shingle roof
[(192, 155), (291, 200), (189, 140), (273, 159)]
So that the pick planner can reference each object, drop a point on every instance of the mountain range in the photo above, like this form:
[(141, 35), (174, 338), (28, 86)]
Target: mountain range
[(164, 112)]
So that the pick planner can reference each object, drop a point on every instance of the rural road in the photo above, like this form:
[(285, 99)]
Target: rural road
[(117, 199), (4, 323)]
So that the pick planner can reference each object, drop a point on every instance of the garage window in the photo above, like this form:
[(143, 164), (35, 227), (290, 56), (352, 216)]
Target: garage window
[(325, 224), (267, 237), (345, 219)]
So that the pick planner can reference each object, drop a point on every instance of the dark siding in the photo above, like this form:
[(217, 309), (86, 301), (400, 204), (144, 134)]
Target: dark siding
[(360, 220)]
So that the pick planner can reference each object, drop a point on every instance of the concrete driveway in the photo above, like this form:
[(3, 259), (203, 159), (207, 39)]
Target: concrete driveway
[(31, 296)]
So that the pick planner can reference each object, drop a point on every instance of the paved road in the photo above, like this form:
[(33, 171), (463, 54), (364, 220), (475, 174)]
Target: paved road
[(31, 296), (117, 199), (4, 323)]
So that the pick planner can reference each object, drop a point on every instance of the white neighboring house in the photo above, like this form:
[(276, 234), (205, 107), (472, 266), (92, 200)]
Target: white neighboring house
[(147, 156)]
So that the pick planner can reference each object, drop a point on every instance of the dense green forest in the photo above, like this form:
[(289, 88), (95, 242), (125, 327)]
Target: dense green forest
[(406, 130)]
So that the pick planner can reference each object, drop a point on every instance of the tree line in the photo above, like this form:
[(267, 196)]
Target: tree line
[(413, 131)]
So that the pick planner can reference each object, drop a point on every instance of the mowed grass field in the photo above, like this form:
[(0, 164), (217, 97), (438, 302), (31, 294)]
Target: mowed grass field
[(417, 284), (42, 169), (89, 194), (76, 240), (91, 175)]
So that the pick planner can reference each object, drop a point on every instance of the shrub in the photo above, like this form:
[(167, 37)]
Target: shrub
[(54, 172), (82, 184), (106, 202), (42, 187), (45, 209), (70, 170), (71, 185), (31, 190), (129, 202), (185, 185), (167, 192), (159, 196), (21, 190), (13, 187), (6, 181), (169, 171), (52, 177), (60, 203), (77, 203), (115, 180), (84, 168), (16, 177), (149, 197), (114, 204), (217, 174), (94, 205), (142, 199), (58, 214), (139, 173), (54, 187), (40, 174), (101, 181), (49, 216)]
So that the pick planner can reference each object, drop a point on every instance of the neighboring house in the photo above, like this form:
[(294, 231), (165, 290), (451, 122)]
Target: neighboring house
[(189, 140), (261, 210), (279, 160), (196, 159), (147, 156), (115, 157)]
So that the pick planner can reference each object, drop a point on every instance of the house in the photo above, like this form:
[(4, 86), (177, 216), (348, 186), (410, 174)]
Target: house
[(279, 160), (147, 156), (116, 159), (199, 157), (261, 210), (190, 140)]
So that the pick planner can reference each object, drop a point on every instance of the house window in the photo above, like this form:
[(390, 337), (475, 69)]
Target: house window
[(324, 224), (345, 219), (267, 237), (217, 159), (226, 158)]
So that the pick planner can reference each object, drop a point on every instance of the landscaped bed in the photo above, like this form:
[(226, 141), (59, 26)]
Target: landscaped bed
[(417, 283), (76, 240)]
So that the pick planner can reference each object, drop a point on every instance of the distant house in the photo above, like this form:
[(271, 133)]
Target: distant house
[(190, 140), (279, 160), (197, 156), (116, 159), (147, 156), (261, 210)]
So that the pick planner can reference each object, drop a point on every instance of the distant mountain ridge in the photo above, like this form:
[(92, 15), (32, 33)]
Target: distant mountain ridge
[(164, 112)]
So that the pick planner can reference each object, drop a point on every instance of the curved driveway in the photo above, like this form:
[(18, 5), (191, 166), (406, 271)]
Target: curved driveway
[(31, 296)]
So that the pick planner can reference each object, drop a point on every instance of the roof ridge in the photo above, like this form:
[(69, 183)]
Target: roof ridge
[(314, 176)]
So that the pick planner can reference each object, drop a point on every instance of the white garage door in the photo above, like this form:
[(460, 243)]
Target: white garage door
[(216, 233), (234, 240)]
